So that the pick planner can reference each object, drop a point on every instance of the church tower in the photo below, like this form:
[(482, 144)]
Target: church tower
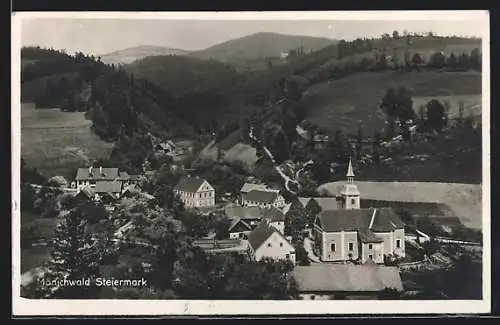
[(350, 194)]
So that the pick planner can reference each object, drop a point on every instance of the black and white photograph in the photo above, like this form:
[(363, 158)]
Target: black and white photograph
[(250, 163)]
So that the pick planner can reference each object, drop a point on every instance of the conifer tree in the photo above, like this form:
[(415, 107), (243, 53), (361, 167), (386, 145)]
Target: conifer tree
[(74, 256)]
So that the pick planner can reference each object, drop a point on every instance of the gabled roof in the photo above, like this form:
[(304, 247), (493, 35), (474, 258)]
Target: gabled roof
[(265, 197), (108, 187), (189, 184), (95, 174), (260, 234), (346, 278), (304, 201), (237, 211), (237, 221), (384, 219), (86, 192), (247, 187), (273, 214)]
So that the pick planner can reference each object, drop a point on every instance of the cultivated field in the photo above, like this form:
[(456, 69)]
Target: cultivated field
[(465, 200), (58, 142), (345, 103)]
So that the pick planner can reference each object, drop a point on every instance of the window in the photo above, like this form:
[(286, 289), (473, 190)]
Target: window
[(332, 247), (370, 256), (353, 201), (269, 245), (398, 243), (281, 244), (351, 246), (370, 246), (287, 256)]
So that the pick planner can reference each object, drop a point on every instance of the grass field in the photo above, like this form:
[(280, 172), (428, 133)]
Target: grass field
[(58, 142), (472, 103), (348, 102), (465, 200)]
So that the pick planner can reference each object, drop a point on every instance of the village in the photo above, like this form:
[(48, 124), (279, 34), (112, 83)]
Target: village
[(343, 250)]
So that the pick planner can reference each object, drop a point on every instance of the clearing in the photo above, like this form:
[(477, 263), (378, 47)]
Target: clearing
[(57, 143), (345, 103), (465, 200)]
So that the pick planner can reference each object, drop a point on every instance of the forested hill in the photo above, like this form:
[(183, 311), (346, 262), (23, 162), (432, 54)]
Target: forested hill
[(116, 102), (261, 45)]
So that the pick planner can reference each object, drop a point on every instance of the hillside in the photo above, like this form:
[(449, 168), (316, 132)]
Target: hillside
[(180, 75), (56, 143), (346, 103), (131, 54), (260, 45), (465, 200)]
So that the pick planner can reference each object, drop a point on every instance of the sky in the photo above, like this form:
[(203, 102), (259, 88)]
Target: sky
[(101, 36)]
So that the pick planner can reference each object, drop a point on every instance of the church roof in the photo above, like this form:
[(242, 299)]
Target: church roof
[(381, 220), (189, 184), (261, 196), (273, 214)]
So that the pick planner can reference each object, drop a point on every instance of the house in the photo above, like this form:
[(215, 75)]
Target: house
[(345, 281), (89, 176), (251, 215), (263, 199), (353, 233), (275, 217), (266, 241), (195, 192), (109, 188), (238, 229)]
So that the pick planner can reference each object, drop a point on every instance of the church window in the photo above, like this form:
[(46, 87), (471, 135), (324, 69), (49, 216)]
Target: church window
[(398, 243), (332, 247), (370, 246), (370, 256), (268, 244), (281, 244), (353, 201), (351, 246)]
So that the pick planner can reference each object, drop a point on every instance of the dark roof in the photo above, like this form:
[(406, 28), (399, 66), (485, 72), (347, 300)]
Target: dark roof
[(367, 236), (238, 221), (260, 234), (189, 184), (108, 187), (247, 187), (273, 214), (346, 278), (86, 192), (384, 219), (133, 177), (107, 174), (261, 196), (327, 203), (237, 211)]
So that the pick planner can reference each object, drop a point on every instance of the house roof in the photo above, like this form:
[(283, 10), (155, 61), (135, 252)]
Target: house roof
[(260, 234), (108, 187), (367, 236), (107, 174), (237, 211), (247, 187), (260, 196), (124, 176), (381, 219), (86, 191), (189, 184), (346, 278), (273, 214), (236, 221)]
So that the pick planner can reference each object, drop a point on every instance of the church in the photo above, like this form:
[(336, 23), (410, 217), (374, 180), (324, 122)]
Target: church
[(350, 233)]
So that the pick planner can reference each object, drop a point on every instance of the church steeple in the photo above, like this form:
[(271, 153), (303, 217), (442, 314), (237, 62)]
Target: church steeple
[(350, 193), (350, 173)]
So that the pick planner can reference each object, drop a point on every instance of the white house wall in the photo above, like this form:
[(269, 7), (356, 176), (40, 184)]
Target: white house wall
[(276, 247)]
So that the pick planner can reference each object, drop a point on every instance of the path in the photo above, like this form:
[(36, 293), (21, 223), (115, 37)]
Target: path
[(308, 247)]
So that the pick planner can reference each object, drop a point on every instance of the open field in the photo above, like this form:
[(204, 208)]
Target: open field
[(465, 200), (58, 142), (345, 103)]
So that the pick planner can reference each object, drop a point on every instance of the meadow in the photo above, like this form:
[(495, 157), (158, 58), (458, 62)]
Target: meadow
[(57, 143), (346, 103), (464, 200)]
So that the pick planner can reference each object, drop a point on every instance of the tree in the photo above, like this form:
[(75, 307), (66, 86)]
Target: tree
[(222, 228), (475, 59), (416, 60), (295, 220), (389, 106), (395, 34), (302, 256), (437, 60), (435, 115), (359, 142), (463, 61), (74, 256), (452, 61)]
